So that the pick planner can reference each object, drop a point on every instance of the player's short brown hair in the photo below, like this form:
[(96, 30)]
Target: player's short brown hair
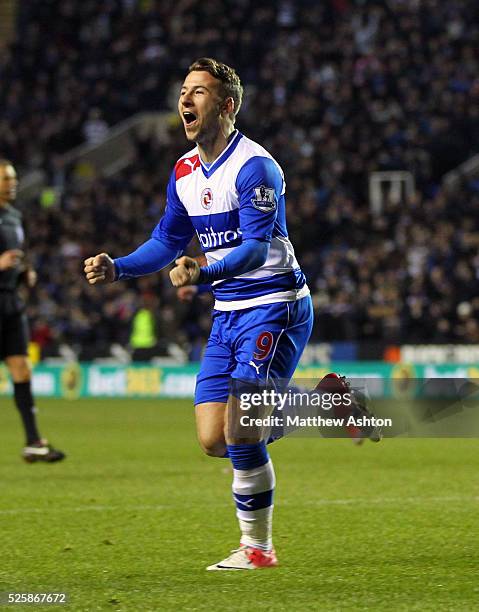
[(5, 162), (230, 81)]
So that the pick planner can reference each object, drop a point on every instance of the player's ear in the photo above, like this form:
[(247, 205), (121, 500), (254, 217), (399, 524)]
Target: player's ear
[(228, 106)]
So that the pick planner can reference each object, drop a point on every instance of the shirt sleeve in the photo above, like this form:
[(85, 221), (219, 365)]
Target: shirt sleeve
[(149, 257), (175, 229), (260, 184), (248, 256)]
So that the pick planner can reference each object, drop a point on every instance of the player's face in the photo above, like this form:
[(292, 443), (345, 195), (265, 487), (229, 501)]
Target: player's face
[(199, 106), (8, 184)]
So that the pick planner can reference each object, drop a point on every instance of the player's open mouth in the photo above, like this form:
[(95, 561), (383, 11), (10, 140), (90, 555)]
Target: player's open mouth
[(189, 118)]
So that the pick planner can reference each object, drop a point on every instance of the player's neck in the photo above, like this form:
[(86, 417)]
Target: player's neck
[(212, 149)]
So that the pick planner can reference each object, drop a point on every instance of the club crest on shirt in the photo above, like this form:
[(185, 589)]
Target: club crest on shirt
[(264, 199), (207, 198)]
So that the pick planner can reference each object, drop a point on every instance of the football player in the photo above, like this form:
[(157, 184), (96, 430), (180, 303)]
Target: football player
[(231, 192)]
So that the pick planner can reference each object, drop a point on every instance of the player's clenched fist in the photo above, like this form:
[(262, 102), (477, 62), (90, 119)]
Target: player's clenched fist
[(187, 272), (99, 269)]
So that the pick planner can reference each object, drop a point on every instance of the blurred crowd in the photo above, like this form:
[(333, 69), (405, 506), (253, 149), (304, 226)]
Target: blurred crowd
[(334, 90), (113, 215)]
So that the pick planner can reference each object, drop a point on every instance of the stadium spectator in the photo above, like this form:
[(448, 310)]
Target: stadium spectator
[(95, 129)]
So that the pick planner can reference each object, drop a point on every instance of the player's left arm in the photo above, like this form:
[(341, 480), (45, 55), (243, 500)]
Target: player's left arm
[(259, 185), (248, 256)]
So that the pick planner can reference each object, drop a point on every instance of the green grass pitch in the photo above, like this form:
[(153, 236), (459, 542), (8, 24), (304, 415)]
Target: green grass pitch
[(130, 520)]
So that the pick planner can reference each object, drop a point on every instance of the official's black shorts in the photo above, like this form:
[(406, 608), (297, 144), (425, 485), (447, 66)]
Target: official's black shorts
[(14, 332)]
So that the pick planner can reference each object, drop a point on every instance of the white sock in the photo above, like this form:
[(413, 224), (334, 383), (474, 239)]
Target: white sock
[(253, 494)]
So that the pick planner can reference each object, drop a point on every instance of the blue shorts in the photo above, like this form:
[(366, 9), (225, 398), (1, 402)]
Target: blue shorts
[(260, 343)]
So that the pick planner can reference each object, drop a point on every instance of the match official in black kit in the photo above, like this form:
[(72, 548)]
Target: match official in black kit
[(13, 321)]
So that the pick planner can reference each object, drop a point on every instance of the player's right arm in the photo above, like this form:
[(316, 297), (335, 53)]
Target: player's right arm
[(168, 240)]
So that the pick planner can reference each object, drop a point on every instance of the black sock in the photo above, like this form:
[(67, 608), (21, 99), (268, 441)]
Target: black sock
[(25, 405)]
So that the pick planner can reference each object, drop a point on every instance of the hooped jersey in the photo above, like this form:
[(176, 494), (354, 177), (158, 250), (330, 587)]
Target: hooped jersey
[(240, 196)]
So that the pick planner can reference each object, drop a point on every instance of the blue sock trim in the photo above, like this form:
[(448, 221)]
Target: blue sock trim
[(255, 501), (248, 456)]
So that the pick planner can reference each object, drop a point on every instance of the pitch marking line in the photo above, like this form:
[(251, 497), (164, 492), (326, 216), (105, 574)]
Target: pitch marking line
[(323, 502)]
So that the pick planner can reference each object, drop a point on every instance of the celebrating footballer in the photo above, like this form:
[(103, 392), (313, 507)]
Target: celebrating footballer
[(230, 192)]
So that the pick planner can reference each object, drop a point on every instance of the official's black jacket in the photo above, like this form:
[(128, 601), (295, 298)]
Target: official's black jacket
[(11, 237)]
